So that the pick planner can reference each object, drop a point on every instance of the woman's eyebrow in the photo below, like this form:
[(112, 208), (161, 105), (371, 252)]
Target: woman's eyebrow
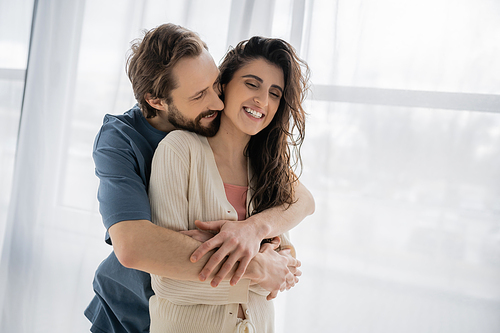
[(260, 80), (254, 77), (277, 87)]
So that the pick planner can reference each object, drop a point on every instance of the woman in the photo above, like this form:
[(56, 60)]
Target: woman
[(244, 169)]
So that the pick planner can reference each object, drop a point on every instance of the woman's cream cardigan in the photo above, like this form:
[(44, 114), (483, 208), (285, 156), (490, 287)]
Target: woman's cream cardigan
[(185, 186)]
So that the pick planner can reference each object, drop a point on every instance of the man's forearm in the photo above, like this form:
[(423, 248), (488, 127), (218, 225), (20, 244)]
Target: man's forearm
[(144, 246), (278, 220)]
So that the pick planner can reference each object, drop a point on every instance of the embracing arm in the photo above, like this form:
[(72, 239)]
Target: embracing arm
[(145, 246), (142, 245)]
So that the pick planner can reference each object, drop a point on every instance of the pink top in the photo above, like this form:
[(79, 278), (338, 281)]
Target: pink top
[(237, 197)]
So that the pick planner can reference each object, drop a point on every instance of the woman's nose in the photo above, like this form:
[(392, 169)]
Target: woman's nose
[(261, 99)]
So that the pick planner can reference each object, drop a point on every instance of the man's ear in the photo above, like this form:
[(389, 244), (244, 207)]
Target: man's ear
[(155, 102)]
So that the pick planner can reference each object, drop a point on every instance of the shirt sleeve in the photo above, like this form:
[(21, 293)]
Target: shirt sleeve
[(122, 190)]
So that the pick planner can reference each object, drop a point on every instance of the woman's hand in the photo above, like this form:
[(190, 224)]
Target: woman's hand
[(271, 270), (293, 266)]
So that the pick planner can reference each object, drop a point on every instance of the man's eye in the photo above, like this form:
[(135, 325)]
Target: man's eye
[(199, 96)]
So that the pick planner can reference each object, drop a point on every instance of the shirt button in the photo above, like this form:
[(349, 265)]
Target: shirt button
[(247, 311)]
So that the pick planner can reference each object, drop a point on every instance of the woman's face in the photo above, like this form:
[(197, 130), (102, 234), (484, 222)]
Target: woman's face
[(253, 95)]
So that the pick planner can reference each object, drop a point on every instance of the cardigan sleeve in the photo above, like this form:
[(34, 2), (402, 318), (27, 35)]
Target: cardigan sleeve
[(168, 187), (169, 198)]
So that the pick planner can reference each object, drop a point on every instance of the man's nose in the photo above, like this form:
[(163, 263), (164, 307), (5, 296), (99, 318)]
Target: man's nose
[(216, 103)]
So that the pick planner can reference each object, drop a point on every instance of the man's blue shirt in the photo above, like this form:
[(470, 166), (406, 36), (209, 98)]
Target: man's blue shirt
[(123, 151)]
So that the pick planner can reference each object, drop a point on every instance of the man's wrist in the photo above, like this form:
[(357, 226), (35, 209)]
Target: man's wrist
[(261, 225)]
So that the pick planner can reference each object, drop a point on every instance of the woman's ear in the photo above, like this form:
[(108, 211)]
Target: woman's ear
[(155, 102)]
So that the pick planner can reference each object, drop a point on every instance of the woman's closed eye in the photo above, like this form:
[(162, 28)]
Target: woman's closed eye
[(277, 95)]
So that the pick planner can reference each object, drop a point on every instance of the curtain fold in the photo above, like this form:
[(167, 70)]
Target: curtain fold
[(48, 90)]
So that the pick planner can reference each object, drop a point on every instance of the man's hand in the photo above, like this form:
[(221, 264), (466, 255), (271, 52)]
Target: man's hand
[(237, 240)]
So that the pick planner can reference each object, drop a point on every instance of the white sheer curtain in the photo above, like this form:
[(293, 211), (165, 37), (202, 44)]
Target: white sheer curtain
[(402, 155)]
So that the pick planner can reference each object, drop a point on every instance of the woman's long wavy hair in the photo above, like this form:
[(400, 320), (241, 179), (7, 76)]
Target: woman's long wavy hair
[(274, 152)]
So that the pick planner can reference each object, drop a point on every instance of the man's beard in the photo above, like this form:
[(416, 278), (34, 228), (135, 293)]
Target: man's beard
[(176, 118)]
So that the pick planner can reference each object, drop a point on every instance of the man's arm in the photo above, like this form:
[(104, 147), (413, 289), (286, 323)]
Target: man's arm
[(147, 247), (142, 245), (240, 240)]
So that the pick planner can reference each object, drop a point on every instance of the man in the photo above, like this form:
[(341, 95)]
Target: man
[(172, 96)]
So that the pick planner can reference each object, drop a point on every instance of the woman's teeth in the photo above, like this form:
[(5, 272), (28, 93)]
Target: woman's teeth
[(254, 113)]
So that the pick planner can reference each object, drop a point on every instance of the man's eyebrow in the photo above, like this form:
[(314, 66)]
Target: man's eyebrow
[(260, 80)]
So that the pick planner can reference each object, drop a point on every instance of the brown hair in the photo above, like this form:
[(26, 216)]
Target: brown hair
[(270, 150), (150, 63)]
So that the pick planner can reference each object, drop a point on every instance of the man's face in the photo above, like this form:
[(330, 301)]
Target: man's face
[(195, 102)]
